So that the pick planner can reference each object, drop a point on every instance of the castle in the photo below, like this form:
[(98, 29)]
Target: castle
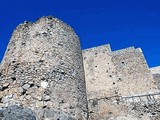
[(45, 75)]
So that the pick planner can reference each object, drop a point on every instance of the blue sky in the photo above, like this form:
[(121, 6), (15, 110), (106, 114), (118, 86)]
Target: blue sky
[(121, 23)]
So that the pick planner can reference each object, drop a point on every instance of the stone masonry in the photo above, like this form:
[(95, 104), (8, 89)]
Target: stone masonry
[(156, 75), (43, 70), (116, 82), (44, 75)]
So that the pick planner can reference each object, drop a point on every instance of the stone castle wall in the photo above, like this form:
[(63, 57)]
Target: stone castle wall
[(116, 77), (115, 73), (43, 76)]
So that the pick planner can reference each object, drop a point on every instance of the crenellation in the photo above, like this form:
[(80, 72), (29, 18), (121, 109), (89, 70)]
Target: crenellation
[(118, 75), (45, 75)]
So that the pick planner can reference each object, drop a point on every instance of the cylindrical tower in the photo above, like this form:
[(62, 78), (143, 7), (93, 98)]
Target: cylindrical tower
[(43, 70)]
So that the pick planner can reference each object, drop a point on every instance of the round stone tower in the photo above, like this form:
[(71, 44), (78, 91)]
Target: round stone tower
[(43, 70)]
